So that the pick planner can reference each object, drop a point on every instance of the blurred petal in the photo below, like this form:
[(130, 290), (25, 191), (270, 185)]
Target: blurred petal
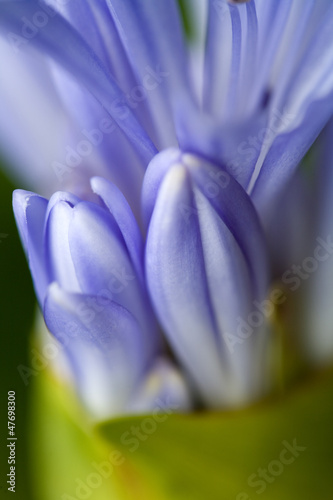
[(59, 259), (103, 266), (145, 32), (123, 215), (97, 26), (30, 210), (163, 388), (285, 154), (66, 47), (109, 342), (271, 93), (301, 95), (33, 124)]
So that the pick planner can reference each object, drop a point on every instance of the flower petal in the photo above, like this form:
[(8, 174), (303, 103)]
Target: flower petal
[(301, 96), (145, 32), (104, 348), (96, 26), (123, 215), (228, 199), (202, 274), (177, 284), (155, 174), (59, 259), (285, 154), (163, 389), (66, 47), (235, 208), (30, 210), (29, 102), (103, 266)]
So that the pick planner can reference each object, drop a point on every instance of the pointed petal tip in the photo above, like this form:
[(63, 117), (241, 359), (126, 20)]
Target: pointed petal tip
[(65, 196), (101, 186), (21, 198), (53, 287), (95, 183)]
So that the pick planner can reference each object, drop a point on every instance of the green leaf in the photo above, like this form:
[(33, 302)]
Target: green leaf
[(219, 455), (205, 455), (69, 460)]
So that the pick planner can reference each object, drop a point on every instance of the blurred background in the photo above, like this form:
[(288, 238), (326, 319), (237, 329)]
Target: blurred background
[(17, 304)]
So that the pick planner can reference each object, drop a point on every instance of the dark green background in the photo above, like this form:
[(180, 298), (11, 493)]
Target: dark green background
[(17, 310)]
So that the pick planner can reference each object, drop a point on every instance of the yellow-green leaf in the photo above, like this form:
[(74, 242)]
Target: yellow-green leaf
[(278, 449)]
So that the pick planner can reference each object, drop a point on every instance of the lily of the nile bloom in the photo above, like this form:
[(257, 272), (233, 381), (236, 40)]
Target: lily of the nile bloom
[(206, 269), (87, 270), (252, 100), (248, 103)]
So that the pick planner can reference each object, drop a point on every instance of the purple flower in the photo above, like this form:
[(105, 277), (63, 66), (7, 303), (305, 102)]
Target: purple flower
[(86, 263), (204, 136)]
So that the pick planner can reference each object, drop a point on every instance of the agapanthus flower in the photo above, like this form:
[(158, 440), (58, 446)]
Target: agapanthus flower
[(86, 263), (205, 138)]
